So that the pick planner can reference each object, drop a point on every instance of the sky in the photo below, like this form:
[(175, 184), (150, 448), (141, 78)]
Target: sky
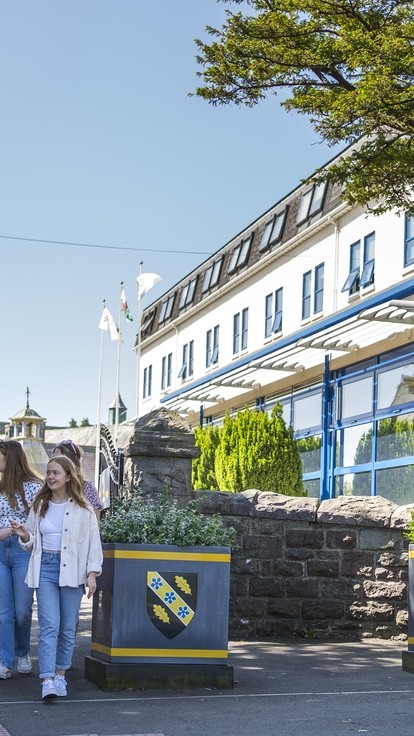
[(102, 146)]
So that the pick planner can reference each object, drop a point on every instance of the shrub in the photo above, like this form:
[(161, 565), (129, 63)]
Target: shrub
[(139, 519)]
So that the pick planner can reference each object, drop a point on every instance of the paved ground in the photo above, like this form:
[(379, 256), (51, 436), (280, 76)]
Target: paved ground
[(283, 688)]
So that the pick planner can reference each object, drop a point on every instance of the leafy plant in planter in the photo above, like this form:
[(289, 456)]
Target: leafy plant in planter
[(142, 520)]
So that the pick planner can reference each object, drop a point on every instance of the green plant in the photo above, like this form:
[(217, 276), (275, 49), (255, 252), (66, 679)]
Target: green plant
[(143, 520), (409, 532), (250, 450)]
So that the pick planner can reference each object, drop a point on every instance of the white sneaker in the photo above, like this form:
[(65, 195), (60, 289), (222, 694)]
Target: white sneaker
[(60, 685), (24, 664), (5, 672), (48, 689)]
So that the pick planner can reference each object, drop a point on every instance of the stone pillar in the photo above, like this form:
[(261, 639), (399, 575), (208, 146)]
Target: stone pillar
[(160, 452)]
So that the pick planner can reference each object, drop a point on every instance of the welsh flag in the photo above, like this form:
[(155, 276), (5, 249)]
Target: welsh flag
[(125, 308)]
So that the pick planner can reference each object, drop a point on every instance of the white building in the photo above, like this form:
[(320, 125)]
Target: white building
[(309, 305)]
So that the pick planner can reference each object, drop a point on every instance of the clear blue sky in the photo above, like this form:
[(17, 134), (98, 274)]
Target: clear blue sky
[(101, 144)]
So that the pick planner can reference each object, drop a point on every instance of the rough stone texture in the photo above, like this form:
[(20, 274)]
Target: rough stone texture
[(161, 450), (335, 568)]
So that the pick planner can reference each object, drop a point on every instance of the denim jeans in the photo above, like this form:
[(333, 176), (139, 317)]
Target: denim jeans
[(16, 600), (58, 611)]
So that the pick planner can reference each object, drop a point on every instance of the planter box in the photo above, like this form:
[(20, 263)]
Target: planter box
[(160, 617), (408, 656)]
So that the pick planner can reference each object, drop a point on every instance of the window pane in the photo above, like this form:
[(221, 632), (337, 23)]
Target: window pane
[(310, 452), (396, 484), (278, 226), (312, 488), (396, 386), (369, 247), (304, 207), (355, 397), (351, 279), (354, 445), (264, 243), (395, 438), (318, 197), (353, 484), (367, 276), (355, 256), (319, 279), (307, 411), (216, 272)]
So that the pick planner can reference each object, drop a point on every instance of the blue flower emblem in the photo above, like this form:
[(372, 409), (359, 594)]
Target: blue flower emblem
[(183, 612), (170, 597), (156, 583)]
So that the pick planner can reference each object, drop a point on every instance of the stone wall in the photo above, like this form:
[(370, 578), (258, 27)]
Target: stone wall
[(334, 568)]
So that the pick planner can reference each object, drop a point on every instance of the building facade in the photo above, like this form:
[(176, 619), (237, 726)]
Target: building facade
[(312, 306)]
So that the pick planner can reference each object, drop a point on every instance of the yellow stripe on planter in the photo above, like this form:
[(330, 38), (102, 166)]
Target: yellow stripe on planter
[(127, 554), (187, 653)]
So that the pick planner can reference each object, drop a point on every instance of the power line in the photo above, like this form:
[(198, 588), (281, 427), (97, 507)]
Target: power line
[(106, 247)]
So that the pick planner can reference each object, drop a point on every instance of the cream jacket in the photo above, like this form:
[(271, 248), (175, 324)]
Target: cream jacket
[(81, 550)]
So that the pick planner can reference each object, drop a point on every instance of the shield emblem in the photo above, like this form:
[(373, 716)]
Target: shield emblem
[(171, 600)]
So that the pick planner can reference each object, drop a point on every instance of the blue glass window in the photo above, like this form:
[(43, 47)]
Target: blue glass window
[(318, 296), (306, 295), (409, 240)]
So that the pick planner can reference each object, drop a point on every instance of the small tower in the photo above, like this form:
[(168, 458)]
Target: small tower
[(28, 428), (122, 411)]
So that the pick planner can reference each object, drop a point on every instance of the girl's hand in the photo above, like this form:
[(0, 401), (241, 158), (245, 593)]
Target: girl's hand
[(91, 584), (20, 530)]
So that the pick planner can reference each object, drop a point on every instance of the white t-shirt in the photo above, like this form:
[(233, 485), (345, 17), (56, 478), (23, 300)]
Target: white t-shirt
[(51, 525)]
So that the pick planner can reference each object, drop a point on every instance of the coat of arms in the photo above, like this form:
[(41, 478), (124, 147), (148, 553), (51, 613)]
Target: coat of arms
[(171, 601)]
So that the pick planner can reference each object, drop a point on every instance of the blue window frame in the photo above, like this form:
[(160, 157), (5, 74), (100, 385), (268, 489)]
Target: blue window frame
[(306, 295), (166, 371), (187, 365), (274, 312), (147, 383), (318, 291), (409, 240), (212, 346), (361, 275), (240, 330)]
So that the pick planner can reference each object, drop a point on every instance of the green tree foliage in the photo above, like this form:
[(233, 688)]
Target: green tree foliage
[(85, 422), (395, 439), (73, 423), (347, 64), (204, 477), (255, 450)]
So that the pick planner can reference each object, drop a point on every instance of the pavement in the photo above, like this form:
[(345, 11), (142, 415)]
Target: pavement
[(284, 687)]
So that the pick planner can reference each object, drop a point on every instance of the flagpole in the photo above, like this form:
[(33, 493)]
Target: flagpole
[(138, 344), (118, 370), (98, 418)]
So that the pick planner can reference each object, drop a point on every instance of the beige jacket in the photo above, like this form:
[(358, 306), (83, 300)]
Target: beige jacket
[(81, 550)]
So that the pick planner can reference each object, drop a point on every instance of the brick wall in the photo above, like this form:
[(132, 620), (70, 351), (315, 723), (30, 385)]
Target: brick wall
[(334, 568)]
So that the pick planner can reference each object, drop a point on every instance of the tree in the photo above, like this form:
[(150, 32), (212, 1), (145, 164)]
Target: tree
[(73, 423), (85, 422), (250, 450), (347, 64)]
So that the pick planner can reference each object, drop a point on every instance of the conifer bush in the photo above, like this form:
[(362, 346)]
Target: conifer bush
[(254, 450)]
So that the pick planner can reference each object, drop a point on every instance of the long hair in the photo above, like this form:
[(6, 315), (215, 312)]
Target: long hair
[(67, 448), (74, 486), (16, 473)]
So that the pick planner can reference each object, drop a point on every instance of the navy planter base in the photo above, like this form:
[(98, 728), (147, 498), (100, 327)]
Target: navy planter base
[(128, 676), (408, 662)]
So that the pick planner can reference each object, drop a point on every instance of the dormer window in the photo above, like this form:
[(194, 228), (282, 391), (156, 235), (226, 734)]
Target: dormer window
[(273, 231), (240, 254), (188, 292), (148, 321), (166, 308), (311, 202), (212, 274)]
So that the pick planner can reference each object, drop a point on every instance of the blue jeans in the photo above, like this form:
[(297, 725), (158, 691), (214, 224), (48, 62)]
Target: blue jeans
[(16, 601), (58, 611)]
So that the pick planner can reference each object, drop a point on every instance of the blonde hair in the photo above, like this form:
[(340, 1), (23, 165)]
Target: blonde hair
[(74, 486), (16, 473)]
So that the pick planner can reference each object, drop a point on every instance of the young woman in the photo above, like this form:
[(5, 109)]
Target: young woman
[(74, 453), (62, 532), (18, 487)]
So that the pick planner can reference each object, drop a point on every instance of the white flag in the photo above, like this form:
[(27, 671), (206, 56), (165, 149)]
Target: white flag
[(108, 324), (146, 281)]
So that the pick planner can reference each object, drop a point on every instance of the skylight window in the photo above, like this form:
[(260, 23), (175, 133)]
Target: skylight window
[(166, 308), (212, 274), (240, 254)]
